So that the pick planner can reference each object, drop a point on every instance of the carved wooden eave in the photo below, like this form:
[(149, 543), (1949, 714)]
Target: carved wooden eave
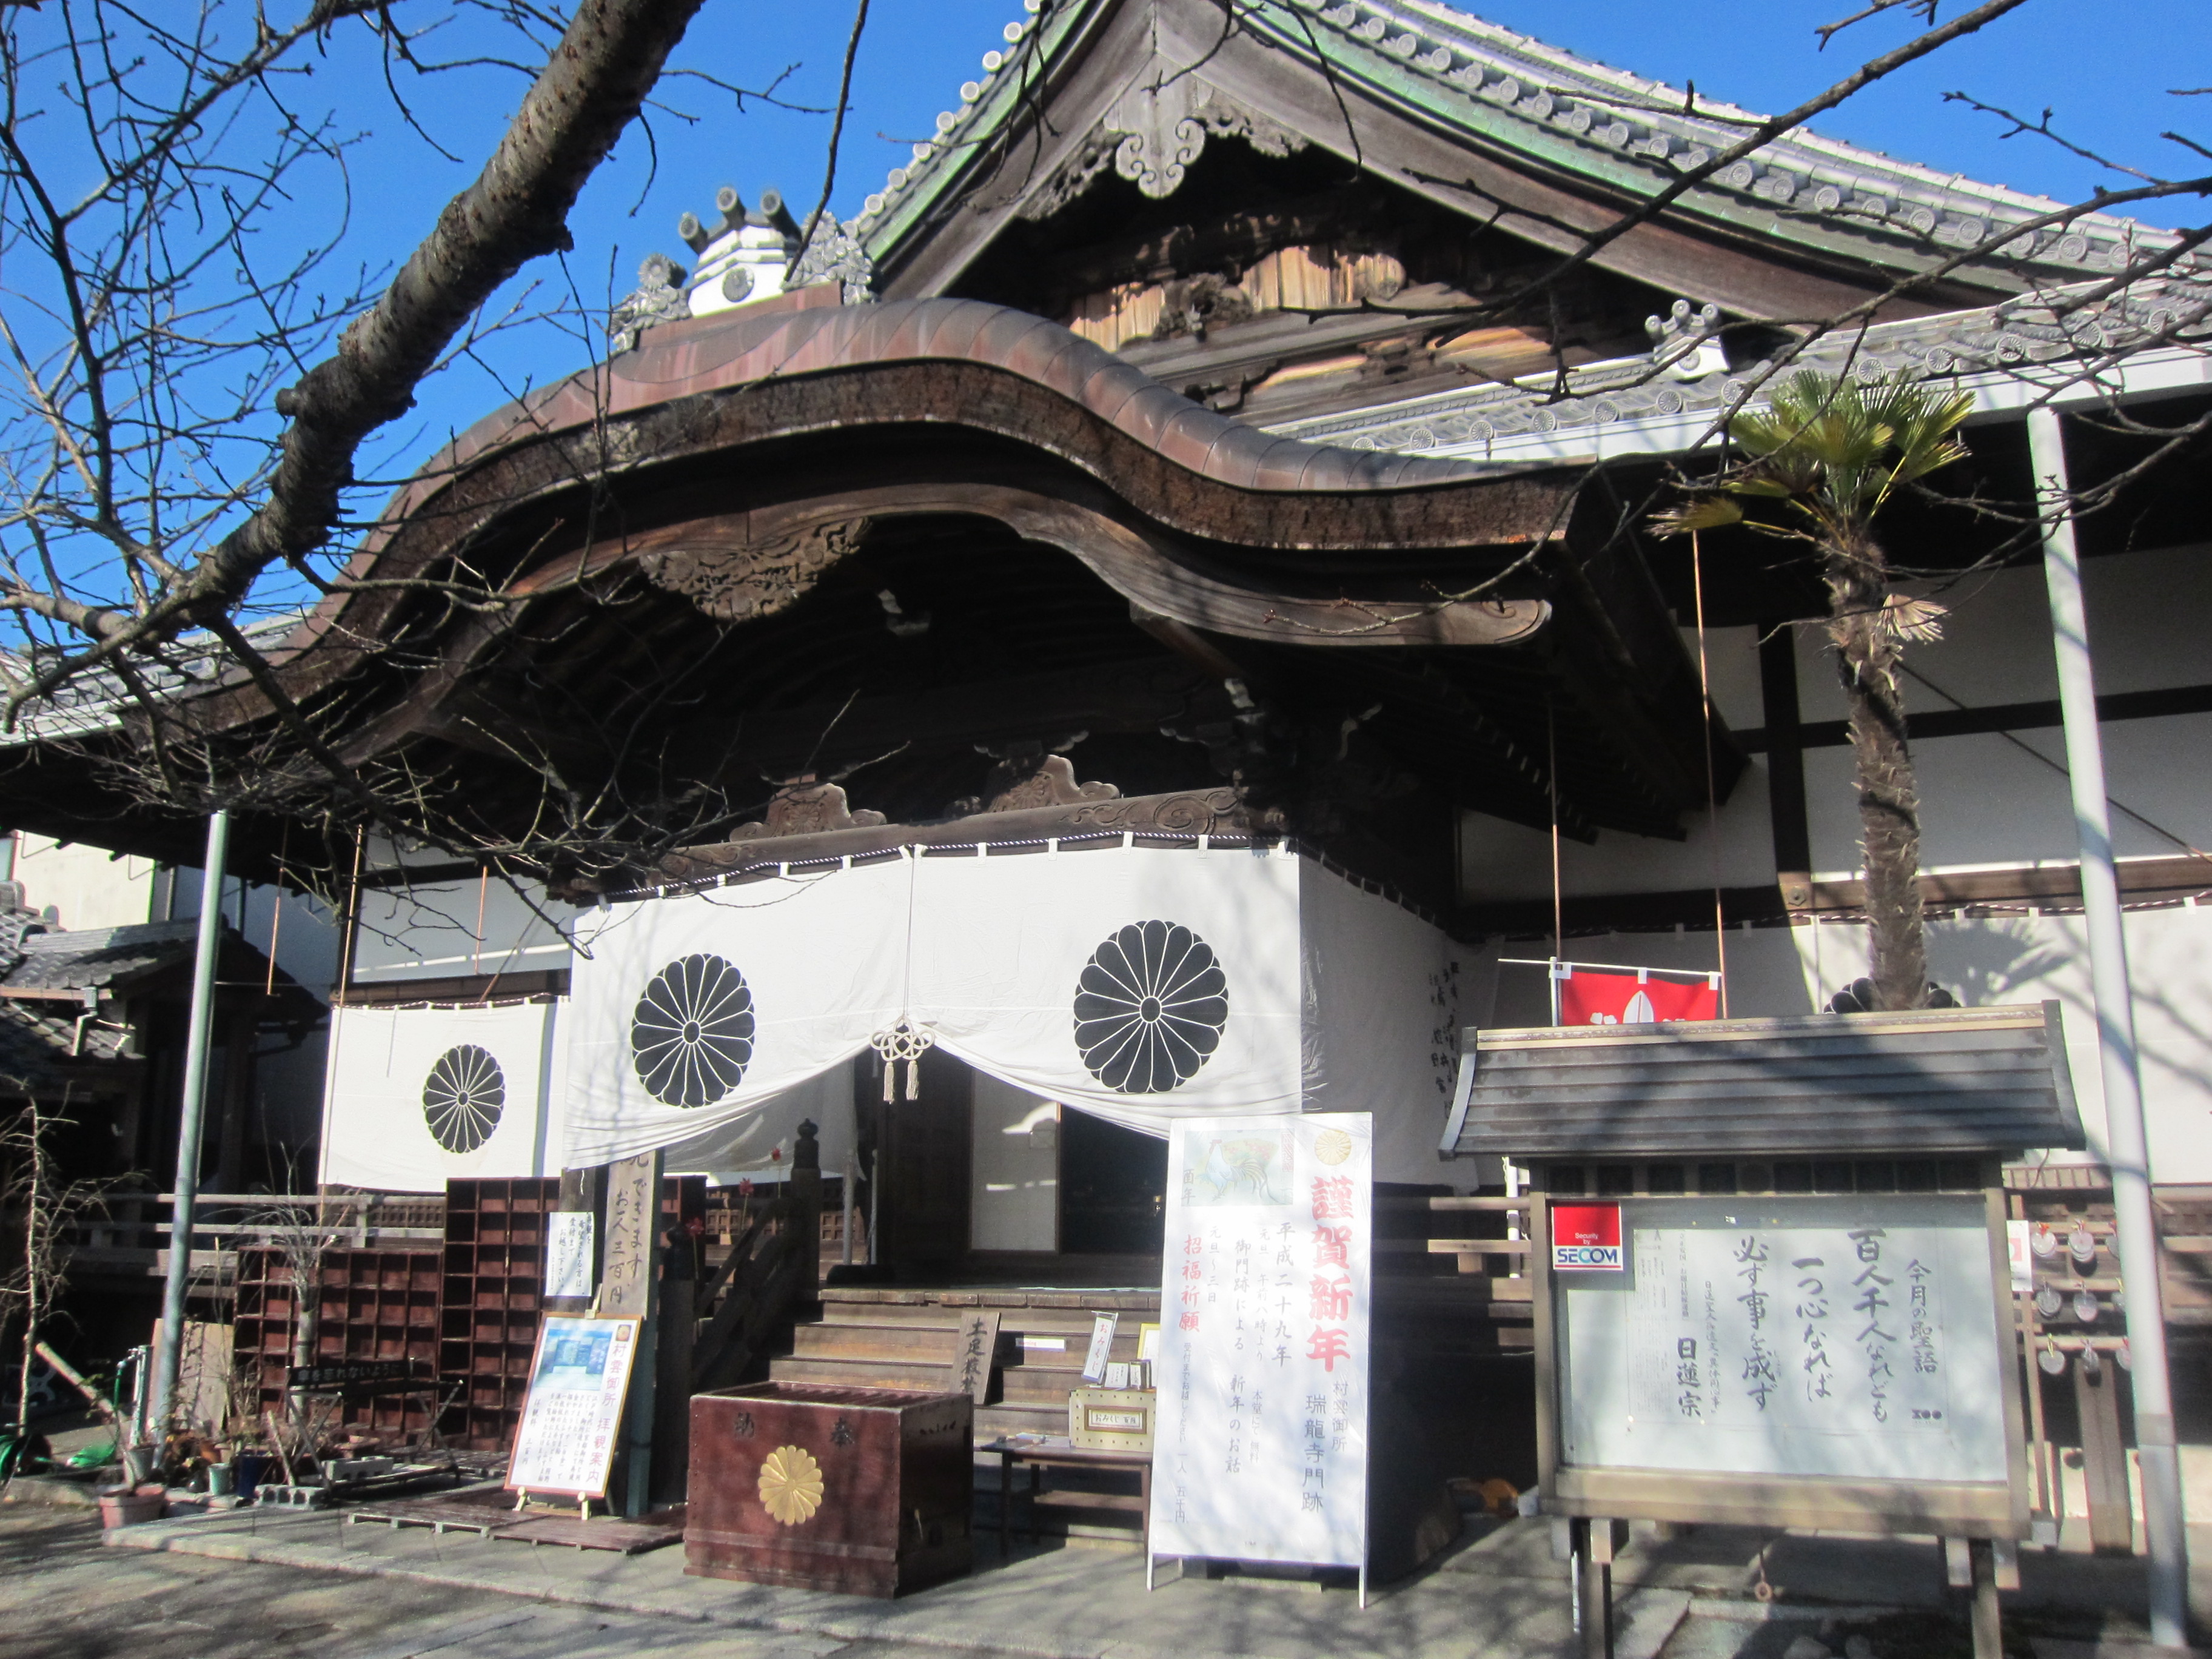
[(1182, 815), (1169, 503), (732, 477), (1490, 124)]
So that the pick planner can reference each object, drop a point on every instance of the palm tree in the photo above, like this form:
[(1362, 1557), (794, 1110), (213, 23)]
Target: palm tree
[(1829, 455)]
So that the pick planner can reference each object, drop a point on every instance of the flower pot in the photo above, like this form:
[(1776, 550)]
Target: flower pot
[(248, 1469), (125, 1506)]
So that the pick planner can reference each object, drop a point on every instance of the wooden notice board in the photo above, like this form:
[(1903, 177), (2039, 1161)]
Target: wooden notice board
[(1838, 1360)]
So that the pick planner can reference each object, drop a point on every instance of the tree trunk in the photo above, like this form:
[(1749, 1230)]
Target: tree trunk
[(1867, 656)]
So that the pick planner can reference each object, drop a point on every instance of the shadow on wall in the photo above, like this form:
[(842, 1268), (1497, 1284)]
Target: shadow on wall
[(1988, 962)]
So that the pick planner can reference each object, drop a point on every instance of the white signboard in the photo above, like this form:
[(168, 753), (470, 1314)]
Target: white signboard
[(1261, 1448), (573, 1418), (1813, 1336), (568, 1253), (1102, 1345)]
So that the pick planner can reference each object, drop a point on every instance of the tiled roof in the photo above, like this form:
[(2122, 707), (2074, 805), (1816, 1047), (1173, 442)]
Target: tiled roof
[(1620, 130), (94, 958), (91, 700), (43, 1053)]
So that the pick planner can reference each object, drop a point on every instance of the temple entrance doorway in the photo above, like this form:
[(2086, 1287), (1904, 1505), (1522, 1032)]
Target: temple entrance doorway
[(984, 1182)]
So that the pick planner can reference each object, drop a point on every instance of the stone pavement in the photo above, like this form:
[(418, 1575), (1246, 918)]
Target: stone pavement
[(1496, 1594)]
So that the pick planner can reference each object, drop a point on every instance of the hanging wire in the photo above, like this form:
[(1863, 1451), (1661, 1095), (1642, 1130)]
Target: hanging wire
[(1713, 798), (276, 907)]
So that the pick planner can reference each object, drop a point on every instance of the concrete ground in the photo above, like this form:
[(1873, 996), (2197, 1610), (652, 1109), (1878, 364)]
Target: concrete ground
[(262, 1582)]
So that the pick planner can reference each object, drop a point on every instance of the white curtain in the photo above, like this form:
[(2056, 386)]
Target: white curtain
[(1005, 947), (417, 1096), (810, 966), (1142, 985)]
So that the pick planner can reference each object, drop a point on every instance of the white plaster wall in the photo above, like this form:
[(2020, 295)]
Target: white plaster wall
[(301, 932), (2147, 613), (453, 929), (1502, 860), (86, 886), (1985, 802), (1985, 963)]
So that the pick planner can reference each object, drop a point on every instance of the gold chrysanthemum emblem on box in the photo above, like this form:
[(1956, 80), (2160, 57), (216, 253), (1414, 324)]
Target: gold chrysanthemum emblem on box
[(1332, 1145), (791, 1485)]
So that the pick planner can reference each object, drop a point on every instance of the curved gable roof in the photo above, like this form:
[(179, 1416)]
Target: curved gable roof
[(1611, 133)]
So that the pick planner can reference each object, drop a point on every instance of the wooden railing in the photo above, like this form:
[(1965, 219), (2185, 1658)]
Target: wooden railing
[(773, 1264), (1499, 1257), (126, 1233)]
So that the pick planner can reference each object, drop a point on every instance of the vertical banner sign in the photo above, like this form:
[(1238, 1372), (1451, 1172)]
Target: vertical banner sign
[(568, 1253), (1103, 1326), (633, 1208), (971, 1362), (1590, 997), (1261, 1448), (566, 1441)]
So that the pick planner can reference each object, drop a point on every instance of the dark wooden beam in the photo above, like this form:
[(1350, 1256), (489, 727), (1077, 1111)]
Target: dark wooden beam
[(1128, 697), (1997, 717)]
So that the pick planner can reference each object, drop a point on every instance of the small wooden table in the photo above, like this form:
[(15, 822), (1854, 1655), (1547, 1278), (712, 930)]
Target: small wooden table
[(1055, 1452)]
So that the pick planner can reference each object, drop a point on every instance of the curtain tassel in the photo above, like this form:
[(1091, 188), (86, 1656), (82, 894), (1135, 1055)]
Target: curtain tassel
[(903, 1043)]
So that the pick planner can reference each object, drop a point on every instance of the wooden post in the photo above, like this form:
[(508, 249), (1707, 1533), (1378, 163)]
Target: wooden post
[(2104, 1459), (628, 1281), (804, 1189), (1988, 1634), (671, 1405)]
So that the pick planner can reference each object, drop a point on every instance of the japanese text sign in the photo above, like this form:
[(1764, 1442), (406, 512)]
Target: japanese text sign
[(570, 1422), (1261, 1453), (1849, 1337)]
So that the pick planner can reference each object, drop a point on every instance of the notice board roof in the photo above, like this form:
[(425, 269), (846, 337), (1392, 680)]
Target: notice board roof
[(1932, 1080)]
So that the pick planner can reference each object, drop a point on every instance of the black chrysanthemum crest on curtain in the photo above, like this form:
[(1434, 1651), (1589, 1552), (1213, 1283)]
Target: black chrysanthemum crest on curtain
[(463, 1097), (691, 1034), (1149, 1008)]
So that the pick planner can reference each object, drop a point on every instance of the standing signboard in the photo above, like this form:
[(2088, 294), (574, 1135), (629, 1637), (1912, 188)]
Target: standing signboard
[(1262, 1448), (1846, 1356), (577, 1380)]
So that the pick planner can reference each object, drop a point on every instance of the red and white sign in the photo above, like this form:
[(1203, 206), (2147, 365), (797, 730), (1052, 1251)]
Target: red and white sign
[(1586, 1238), (1589, 996)]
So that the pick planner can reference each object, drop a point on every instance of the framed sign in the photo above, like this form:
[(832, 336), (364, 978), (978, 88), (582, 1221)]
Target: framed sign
[(1840, 1361), (572, 1418), (1261, 1453), (570, 1245)]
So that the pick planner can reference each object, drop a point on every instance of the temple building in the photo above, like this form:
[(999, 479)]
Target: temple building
[(1157, 616)]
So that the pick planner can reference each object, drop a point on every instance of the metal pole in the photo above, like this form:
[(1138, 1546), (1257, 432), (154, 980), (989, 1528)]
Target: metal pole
[(2127, 1145), (188, 1134)]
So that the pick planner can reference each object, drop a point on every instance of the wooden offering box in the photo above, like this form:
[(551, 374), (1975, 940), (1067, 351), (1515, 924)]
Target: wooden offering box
[(867, 1491)]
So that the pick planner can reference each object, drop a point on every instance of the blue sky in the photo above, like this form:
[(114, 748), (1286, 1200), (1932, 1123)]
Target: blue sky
[(2105, 72)]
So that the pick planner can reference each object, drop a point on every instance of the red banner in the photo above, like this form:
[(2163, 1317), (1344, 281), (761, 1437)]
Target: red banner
[(1593, 998)]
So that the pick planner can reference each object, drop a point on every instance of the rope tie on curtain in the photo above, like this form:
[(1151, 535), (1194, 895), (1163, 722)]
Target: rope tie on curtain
[(908, 1042)]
